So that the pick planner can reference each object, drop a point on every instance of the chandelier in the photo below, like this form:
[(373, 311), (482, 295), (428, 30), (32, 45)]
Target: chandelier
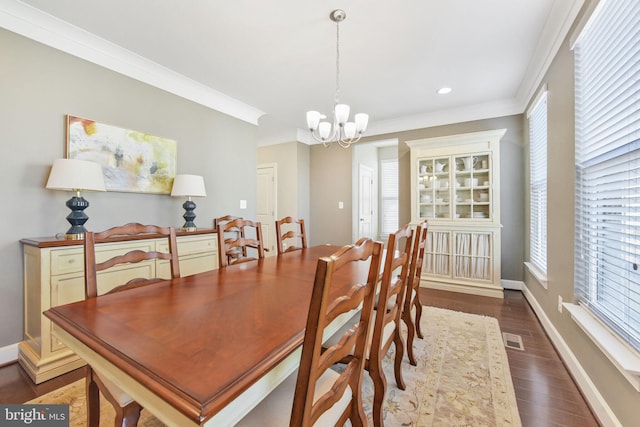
[(341, 130)]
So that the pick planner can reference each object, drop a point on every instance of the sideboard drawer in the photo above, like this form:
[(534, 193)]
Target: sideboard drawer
[(66, 261), (192, 245)]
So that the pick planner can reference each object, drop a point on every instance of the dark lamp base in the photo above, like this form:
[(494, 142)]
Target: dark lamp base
[(189, 206)]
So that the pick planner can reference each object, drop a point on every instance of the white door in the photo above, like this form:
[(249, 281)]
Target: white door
[(365, 201), (266, 205)]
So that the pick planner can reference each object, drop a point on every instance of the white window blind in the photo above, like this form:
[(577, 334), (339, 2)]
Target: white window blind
[(538, 183), (389, 196), (607, 238)]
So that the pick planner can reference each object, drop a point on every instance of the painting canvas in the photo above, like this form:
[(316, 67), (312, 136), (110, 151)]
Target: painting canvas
[(131, 161)]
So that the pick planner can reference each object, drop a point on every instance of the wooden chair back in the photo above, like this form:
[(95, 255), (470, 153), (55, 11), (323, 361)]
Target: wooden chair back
[(140, 231), (412, 300), (224, 220), (234, 245), (297, 233), (307, 407)]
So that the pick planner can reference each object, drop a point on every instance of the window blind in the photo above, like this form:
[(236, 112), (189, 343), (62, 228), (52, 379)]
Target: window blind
[(389, 195), (607, 238), (538, 183)]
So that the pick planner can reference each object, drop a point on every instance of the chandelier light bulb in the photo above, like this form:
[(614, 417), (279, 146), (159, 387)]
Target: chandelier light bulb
[(342, 113), (362, 120), (324, 130), (350, 130), (313, 118)]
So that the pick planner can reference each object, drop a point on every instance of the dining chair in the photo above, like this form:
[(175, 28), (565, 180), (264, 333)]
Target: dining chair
[(127, 410), (412, 310), (317, 394), (295, 231), (387, 325), (387, 313), (223, 220), (234, 245)]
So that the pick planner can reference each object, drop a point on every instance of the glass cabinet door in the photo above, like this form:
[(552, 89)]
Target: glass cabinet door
[(472, 187), (433, 188)]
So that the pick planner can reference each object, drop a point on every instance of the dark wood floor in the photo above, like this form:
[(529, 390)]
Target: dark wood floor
[(546, 393)]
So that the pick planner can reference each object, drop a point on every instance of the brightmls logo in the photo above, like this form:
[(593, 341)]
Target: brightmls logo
[(34, 415)]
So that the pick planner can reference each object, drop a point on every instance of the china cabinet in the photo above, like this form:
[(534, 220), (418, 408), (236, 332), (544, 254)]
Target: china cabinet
[(54, 275), (456, 187)]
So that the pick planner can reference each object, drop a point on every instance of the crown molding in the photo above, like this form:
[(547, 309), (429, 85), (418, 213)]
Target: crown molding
[(469, 113), (37, 25), (558, 25)]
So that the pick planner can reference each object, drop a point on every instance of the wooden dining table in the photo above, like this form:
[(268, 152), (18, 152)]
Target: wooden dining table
[(203, 349)]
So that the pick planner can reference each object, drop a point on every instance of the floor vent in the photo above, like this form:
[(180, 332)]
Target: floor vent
[(512, 341)]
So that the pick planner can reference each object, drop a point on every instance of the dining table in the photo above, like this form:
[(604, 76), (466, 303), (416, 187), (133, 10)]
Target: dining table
[(204, 349)]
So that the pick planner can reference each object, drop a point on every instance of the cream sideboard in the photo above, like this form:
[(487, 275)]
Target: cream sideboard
[(54, 275), (456, 187)]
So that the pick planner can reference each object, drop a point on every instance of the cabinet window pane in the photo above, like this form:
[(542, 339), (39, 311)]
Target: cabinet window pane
[(607, 238), (538, 184)]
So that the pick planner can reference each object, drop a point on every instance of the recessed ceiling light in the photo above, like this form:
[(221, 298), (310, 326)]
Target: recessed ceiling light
[(444, 90)]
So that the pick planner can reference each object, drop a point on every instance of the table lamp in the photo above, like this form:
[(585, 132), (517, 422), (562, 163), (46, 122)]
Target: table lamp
[(190, 186), (76, 175)]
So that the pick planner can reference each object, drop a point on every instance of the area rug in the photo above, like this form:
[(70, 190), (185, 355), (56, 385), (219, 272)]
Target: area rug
[(462, 379)]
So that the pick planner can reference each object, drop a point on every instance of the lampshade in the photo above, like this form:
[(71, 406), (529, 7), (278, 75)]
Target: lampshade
[(76, 175), (188, 185), (73, 174)]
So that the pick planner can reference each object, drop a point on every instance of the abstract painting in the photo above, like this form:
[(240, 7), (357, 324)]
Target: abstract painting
[(131, 161)]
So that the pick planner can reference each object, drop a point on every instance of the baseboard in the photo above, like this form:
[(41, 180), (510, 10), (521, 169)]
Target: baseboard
[(481, 290), (8, 354), (598, 404), (514, 285)]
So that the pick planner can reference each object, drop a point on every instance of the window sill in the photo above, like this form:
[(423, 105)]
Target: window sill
[(540, 276), (623, 357)]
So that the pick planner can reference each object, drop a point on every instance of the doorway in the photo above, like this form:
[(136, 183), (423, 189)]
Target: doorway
[(372, 216), (267, 200)]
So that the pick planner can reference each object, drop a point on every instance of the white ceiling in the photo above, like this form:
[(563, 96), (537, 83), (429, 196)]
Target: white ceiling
[(278, 57)]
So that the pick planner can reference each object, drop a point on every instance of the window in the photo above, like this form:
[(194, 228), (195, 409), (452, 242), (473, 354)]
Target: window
[(607, 238), (537, 117), (389, 196)]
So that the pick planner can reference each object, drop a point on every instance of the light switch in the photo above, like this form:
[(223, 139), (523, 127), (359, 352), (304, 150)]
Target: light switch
[(340, 205), (243, 204)]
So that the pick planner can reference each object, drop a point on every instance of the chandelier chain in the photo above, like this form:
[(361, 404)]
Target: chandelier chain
[(337, 95)]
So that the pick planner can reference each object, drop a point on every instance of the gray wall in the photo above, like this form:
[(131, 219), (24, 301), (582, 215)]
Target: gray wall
[(622, 398), (38, 86), (331, 174), (330, 183)]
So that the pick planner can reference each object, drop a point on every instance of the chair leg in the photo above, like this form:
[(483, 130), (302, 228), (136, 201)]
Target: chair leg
[(356, 414), (128, 416), (418, 305), (93, 399), (399, 344), (379, 388), (406, 317)]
